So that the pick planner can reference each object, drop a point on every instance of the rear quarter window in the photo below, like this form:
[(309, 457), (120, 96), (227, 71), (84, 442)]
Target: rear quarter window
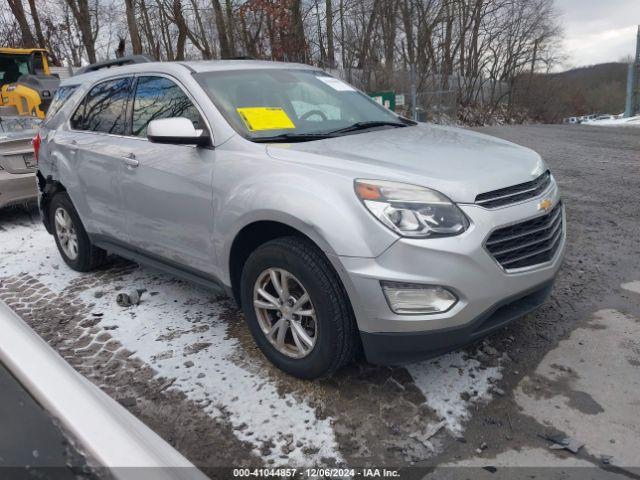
[(59, 99)]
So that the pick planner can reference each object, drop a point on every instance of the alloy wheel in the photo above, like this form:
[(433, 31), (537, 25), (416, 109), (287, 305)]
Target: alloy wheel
[(285, 312), (66, 233)]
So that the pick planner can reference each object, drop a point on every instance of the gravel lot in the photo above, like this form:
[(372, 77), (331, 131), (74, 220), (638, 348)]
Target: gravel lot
[(184, 362)]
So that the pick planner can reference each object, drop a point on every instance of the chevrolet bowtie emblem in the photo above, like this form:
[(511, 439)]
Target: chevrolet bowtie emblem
[(545, 205)]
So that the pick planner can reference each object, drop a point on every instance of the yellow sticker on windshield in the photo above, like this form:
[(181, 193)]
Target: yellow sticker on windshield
[(265, 118)]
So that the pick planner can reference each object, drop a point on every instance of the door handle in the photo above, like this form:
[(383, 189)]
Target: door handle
[(130, 160)]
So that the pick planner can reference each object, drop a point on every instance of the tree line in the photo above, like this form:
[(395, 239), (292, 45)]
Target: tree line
[(483, 51)]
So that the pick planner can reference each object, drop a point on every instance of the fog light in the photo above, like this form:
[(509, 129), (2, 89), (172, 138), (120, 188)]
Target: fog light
[(411, 298)]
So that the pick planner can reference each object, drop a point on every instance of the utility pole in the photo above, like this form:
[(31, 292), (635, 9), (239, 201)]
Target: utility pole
[(633, 84)]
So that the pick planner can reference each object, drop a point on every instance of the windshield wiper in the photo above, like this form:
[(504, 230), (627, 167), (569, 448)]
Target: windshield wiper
[(366, 125), (306, 137), (294, 137)]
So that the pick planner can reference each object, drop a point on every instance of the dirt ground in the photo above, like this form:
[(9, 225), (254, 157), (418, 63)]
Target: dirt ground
[(183, 360)]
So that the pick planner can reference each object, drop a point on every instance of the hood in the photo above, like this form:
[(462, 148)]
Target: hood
[(458, 163)]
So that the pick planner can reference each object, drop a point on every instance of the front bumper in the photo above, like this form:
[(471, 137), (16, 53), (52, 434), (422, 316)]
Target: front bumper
[(488, 296), (399, 348), (17, 188)]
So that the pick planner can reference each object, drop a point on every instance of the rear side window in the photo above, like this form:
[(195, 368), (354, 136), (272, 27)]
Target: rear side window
[(59, 98), (159, 97), (104, 108)]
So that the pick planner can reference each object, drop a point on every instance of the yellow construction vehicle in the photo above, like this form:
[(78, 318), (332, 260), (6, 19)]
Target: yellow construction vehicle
[(26, 83)]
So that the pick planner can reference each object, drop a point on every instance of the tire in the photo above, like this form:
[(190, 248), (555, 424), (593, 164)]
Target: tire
[(336, 334), (87, 256)]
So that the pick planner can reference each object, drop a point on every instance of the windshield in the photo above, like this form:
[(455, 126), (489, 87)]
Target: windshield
[(292, 104), (12, 66)]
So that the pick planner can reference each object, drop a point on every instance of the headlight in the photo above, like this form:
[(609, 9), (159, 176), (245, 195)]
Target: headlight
[(410, 210)]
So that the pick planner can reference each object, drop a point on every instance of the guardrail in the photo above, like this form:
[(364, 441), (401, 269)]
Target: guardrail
[(104, 430)]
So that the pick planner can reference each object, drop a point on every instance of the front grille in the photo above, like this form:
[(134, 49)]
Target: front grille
[(527, 243), (515, 193)]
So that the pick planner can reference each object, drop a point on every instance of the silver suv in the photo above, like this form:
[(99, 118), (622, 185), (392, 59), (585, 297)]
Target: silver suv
[(338, 226)]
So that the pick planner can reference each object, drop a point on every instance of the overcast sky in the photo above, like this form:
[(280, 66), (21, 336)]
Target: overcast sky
[(598, 31)]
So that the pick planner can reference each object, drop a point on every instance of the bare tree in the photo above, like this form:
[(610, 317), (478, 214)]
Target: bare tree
[(25, 30), (476, 52), (298, 38), (231, 27), (331, 50), (134, 33), (223, 38), (87, 25)]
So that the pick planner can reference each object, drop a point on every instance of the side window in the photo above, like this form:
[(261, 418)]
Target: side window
[(104, 108), (59, 99), (159, 97), (38, 63)]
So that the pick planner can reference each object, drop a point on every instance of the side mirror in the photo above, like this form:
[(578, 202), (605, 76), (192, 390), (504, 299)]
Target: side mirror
[(178, 131)]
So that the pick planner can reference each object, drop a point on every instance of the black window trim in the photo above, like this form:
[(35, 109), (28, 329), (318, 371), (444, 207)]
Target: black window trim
[(130, 99)]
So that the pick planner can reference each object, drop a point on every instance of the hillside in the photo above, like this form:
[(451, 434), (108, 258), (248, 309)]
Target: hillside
[(593, 89)]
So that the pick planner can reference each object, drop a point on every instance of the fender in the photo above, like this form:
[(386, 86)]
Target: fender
[(312, 203)]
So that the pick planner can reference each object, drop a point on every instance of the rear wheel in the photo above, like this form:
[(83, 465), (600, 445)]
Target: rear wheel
[(72, 240), (297, 309)]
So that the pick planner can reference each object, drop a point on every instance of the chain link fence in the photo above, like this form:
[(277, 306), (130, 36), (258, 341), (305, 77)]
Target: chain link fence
[(438, 98)]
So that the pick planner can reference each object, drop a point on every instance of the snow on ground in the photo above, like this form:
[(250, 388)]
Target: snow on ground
[(27, 248), (179, 330), (632, 286), (452, 383), (615, 122), (167, 331)]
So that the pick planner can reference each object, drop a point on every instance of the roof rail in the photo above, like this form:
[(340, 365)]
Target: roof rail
[(128, 60)]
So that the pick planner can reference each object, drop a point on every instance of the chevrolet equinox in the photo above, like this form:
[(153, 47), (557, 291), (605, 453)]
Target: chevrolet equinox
[(337, 225)]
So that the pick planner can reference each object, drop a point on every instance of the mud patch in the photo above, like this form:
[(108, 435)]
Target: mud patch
[(593, 397), (584, 402)]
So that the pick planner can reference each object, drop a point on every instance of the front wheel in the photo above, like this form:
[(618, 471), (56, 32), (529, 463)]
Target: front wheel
[(297, 309)]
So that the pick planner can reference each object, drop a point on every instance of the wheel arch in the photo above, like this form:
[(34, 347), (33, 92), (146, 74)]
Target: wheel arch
[(48, 188), (250, 237)]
